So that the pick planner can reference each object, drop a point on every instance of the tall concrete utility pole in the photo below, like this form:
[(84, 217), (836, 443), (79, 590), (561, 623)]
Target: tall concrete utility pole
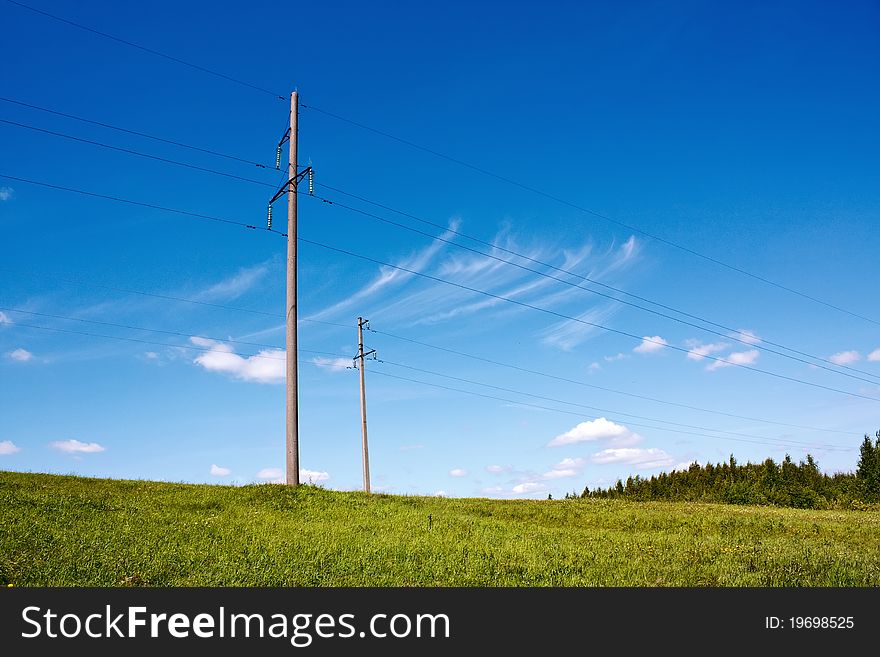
[(292, 388), (360, 357)]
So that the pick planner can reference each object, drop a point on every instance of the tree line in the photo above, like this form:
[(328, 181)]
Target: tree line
[(800, 485)]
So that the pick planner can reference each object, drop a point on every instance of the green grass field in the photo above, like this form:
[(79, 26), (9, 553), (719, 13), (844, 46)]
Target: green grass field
[(69, 531)]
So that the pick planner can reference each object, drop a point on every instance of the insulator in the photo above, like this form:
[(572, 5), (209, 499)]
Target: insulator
[(269, 217), (311, 182), (278, 157)]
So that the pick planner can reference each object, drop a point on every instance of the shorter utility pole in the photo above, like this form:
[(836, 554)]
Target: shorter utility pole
[(360, 365)]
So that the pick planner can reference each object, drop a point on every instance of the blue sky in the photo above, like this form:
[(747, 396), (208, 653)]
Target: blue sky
[(744, 131)]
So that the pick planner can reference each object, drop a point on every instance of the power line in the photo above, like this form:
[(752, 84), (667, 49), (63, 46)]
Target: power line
[(559, 410), (603, 388), (762, 439), (732, 332), (141, 204), (148, 50), (518, 303), (586, 406), (554, 313), (142, 328), (130, 151), (167, 297), (593, 213), (166, 344), (464, 163), (32, 274), (613, 298), (134, 132)]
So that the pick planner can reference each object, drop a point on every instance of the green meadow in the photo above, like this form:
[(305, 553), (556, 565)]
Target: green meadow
[(71, 531)]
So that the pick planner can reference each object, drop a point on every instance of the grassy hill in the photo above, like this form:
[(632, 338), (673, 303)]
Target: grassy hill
[(74, 531)]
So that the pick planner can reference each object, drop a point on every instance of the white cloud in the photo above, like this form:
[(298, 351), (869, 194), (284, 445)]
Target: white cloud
[(567, 467), (218, 471), (270, 473), (569, 333), (650, 344), (236, 285), (332, 364), (268, 366), (874, 356), (528, 487), (497, 469), (735, 358), (440, 493), (8, 447), (151, 355), (611, 359), (592, 430), (684, 465), (4, 319), (594, 366), (6, 193), (560, 474), (747, 336), (698, 350), (845, 357), (76, 447), (458, 472), (640, 457), (493, 490), (313, 476), (20, 355), (276, 476)]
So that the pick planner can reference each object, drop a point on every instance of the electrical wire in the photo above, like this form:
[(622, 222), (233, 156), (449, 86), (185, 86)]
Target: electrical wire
[(559, 315), (133, 132), (602, 388), (148, 50), (586, 406), (762, 439), (732, 333), (130, 151), (462, 163), (522, 304), (559, 410), (33, 274)]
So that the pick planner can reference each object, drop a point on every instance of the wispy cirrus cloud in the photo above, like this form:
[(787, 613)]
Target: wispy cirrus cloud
[(407, 300), (389, 277), (333, 364), (235, 285)]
